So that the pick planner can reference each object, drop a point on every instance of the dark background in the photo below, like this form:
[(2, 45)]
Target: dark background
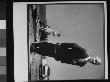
[(9, 41), (2, 11)]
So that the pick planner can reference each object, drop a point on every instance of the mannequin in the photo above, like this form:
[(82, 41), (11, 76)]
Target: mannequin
[(69, 53)]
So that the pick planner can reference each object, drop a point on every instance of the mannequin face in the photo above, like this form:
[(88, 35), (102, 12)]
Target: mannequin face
[(96, 60)]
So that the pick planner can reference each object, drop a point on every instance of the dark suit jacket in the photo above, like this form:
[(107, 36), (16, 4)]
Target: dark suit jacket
[(64, 52)]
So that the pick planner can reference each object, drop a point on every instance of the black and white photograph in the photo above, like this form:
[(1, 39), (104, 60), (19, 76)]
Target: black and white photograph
[(60, 40)]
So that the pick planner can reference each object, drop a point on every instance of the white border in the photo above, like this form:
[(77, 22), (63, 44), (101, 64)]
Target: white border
[(63, 2), (106, 57), (20, 42)]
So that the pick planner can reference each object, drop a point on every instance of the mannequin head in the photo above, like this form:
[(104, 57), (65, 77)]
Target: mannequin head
[(95, 60)]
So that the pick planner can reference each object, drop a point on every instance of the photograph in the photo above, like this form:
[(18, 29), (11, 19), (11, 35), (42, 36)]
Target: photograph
[(60, 40)]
